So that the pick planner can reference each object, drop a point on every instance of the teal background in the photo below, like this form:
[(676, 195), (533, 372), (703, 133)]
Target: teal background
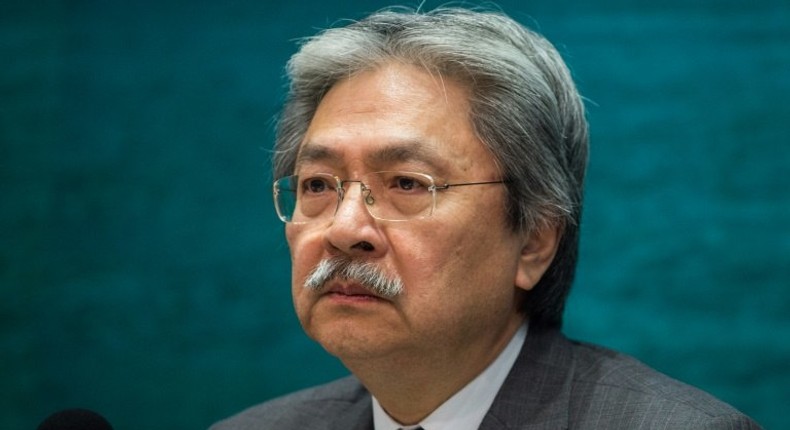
[(144, 274)]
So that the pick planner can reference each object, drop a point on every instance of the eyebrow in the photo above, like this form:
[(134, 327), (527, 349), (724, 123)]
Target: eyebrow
[(398, 151), (311, 152)]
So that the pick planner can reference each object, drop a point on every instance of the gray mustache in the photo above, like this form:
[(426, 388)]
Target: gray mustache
[(368, 275)]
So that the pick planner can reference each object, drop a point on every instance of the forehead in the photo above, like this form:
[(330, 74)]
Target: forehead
[(394, 114), (380, 154)]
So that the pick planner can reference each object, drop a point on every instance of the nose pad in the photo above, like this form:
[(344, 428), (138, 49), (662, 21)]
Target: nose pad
[(369, 199), (341, 195), (363, 191)]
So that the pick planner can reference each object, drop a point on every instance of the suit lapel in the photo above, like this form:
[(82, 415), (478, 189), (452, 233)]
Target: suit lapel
[(366, 423), (536, 393), (357, 415)]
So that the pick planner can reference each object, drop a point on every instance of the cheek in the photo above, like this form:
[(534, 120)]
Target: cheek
[(306, 251), (417, 250), (478, 261), (303, 243), (427, 260)]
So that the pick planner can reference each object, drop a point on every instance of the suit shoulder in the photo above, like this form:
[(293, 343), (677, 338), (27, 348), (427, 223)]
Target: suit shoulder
[(306, 409), (607, 380)]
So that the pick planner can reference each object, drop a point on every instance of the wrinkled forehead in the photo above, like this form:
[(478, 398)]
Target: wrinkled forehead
[(394, 117), (380, 155)]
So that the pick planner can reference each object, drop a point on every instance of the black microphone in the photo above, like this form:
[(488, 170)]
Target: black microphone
[(75, 419)]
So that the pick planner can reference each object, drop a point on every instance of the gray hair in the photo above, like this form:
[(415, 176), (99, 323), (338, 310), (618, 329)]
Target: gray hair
[(525, 109), (368, 275)]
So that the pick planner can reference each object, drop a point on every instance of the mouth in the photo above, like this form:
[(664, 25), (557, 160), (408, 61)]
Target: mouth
[(343, 291)]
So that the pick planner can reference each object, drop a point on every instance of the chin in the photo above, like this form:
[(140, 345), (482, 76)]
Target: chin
[(349, 341)]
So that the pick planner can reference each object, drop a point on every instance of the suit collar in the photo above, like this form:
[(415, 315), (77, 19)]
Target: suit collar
[(536, 393), (353, 410)]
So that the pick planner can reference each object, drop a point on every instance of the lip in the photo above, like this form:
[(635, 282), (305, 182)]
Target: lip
[(350, 293)]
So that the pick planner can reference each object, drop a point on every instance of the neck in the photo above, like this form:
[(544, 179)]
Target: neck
[(411, 386)]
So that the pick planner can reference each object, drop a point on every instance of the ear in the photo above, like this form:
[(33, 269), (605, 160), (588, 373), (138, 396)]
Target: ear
[(537, 253)]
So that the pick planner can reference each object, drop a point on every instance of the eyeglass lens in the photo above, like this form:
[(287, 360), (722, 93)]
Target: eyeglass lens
[(393, 196)]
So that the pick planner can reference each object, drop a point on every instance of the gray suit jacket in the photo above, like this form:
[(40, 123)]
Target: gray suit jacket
[(554, 384)]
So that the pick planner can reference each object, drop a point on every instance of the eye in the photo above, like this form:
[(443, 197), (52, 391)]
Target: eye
[(407, 183), (316, 185)]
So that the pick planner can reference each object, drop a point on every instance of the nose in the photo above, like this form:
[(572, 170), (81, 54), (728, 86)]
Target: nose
[(353, 230)]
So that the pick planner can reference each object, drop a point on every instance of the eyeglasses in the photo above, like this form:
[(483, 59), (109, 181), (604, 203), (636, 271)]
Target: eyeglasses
[(388, 196)]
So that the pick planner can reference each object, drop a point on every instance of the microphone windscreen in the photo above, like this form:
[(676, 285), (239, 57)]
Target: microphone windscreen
[(75, 419)]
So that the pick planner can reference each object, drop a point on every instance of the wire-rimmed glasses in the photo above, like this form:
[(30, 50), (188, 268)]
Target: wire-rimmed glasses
[(388, 195)]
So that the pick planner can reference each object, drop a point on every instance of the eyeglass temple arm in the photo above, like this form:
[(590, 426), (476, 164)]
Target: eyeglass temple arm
[(446, 186)]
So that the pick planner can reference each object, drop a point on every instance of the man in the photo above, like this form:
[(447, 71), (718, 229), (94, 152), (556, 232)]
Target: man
[(430, 170)]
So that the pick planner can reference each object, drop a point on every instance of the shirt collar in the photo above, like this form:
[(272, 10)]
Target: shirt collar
[(466, 409)]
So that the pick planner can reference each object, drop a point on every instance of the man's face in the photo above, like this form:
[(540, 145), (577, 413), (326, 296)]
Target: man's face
[(460, 267)]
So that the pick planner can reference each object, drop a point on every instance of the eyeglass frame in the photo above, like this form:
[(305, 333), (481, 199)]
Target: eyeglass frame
[(368, 200)]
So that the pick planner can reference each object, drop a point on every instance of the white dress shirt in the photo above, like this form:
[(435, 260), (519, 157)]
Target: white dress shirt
[(466, 409)]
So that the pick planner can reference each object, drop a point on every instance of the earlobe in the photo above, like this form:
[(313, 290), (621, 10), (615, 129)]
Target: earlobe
[(537, 253)]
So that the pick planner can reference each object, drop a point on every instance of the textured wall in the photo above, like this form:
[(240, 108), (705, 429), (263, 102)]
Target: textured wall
[(144, 275)]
